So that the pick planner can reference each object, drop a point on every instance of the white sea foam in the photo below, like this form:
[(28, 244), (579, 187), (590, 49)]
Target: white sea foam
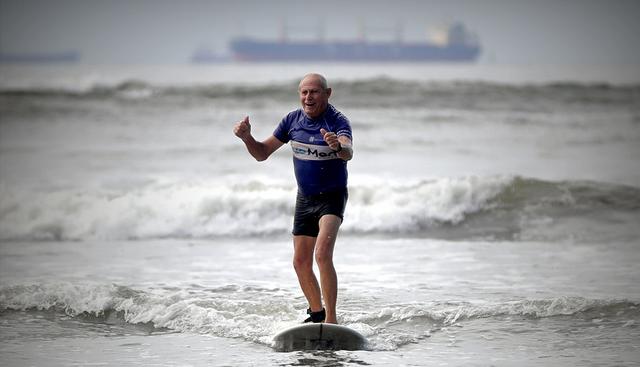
[(255, 207), (259, 316), (494, 206), (394, 207)]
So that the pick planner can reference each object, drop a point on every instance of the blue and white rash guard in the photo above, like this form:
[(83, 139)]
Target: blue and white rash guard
[(318, 169)]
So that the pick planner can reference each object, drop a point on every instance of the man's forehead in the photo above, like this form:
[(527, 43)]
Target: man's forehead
[(310, 83)]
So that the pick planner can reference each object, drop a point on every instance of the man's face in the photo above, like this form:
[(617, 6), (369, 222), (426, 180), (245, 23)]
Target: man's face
[(313, 97)]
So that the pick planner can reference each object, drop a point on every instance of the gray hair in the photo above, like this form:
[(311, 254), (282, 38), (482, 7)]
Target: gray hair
[(321, 78)]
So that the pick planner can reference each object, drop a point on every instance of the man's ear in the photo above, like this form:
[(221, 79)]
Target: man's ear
[(328, 92)]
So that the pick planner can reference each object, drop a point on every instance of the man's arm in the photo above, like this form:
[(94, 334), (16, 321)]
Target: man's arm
[(341, 144), (346, 148), (259, 150)]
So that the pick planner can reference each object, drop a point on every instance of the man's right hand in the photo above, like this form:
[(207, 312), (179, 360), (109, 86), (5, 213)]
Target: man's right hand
[(260, 150), (243, 129)]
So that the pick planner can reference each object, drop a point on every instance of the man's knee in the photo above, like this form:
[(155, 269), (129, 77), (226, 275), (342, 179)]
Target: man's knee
[(324, 257), (302, 263)]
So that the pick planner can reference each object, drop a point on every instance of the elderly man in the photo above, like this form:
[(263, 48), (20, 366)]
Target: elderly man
[(320, 138)]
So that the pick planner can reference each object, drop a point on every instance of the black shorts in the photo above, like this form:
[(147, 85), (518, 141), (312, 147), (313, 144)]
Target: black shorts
[(309, 210)]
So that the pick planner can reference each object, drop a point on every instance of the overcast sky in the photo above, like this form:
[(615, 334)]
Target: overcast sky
[(163, 31)]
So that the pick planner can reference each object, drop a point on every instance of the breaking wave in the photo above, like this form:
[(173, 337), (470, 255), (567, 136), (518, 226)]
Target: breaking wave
[(231, 312), (513, 208)]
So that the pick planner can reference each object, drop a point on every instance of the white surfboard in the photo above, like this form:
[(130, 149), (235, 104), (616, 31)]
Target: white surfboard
[(319, 337)]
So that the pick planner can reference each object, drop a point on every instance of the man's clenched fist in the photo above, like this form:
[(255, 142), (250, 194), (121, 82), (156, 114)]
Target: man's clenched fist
[(243, 129)]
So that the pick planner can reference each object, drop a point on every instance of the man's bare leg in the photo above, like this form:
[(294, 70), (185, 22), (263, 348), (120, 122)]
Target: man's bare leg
[(303, 247), (329, 225)]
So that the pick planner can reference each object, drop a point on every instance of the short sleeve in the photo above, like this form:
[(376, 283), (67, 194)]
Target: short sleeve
[(343, 127), (282, 131)]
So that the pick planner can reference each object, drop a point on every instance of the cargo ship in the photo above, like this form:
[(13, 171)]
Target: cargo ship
[(454, 44), (40, 58)]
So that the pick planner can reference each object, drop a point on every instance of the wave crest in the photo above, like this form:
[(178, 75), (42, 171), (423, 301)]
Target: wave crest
[(259, 316), (376, 91), (449, 313), (513, 208)]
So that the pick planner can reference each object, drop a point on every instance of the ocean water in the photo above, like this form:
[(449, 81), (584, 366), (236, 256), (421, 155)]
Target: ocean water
[(492, 218)]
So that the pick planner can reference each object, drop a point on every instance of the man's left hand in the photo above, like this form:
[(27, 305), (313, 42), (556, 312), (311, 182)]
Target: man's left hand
[(331, 139)]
